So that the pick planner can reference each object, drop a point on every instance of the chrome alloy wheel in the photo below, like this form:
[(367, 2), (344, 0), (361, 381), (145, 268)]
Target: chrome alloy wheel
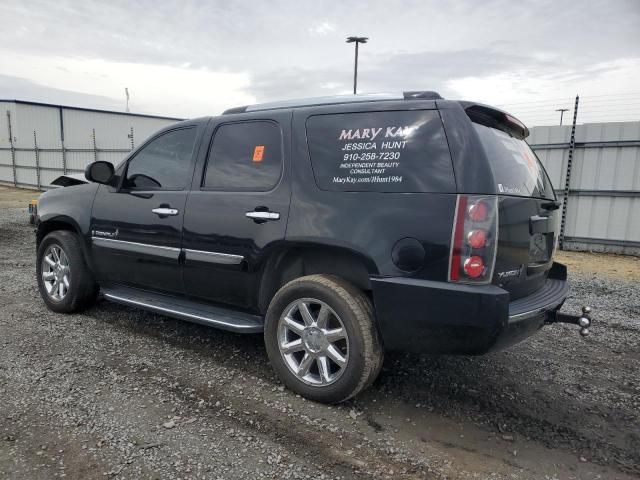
[(313, 342), (56, 274)]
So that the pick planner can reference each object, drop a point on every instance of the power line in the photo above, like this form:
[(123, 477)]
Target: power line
[(595, 109), (598, 103), (568, 98), (614, 94), (614, 101)]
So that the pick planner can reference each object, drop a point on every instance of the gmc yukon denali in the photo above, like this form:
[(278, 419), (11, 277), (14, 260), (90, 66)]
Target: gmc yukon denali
[(338, 227)]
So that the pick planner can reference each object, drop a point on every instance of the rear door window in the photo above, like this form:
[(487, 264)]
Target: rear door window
[(515, 167), (245, 156), (398, 151)]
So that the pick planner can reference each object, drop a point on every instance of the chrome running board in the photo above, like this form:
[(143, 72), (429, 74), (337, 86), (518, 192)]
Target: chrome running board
[(185, 309)]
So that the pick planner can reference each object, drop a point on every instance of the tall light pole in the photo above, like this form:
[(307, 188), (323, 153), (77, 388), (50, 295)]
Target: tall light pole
[(561, 110), (356, 40)]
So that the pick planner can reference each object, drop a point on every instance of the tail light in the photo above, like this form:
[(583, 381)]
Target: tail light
[(474, 239)]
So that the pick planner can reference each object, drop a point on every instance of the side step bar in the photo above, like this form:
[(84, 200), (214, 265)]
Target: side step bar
[(186, 309)]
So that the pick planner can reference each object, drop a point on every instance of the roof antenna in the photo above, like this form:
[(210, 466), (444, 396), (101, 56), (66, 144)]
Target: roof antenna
[(126, 92)]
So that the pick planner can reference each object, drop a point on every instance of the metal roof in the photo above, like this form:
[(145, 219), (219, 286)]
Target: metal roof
[(68, 107)]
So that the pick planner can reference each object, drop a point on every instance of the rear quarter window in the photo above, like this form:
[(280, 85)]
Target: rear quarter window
[(515, 167), (399, 151)]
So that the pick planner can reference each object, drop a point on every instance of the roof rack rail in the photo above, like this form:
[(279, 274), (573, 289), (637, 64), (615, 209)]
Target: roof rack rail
[(334, 100), (422, 95)]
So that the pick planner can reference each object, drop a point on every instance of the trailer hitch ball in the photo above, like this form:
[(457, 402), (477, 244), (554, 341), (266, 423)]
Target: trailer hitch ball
[(584, 322)]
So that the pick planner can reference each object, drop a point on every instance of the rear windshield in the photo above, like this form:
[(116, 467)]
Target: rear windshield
[(396, 151), (516, 169)]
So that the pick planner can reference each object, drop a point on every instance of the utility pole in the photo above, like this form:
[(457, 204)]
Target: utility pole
[(561, 110), (126, 92), (567, 175), (356, 40)]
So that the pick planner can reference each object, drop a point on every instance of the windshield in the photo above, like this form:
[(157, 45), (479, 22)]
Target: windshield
[(515, 167)]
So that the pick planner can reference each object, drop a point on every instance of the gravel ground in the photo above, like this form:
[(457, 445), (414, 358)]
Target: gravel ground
[(120, 393)]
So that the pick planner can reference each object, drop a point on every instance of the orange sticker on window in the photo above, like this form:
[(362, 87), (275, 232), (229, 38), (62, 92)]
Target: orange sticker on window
[(258, 153)]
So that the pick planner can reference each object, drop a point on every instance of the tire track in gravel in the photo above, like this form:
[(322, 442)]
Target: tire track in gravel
[(555, 420), (300, 437), (296, 431)]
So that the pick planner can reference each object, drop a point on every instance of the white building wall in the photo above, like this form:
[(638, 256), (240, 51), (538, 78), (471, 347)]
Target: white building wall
[(603, 207), (6, 168), (88, 135)]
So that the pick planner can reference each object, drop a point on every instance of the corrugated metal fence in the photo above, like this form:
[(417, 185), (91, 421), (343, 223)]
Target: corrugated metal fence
[(40, 142), (603, 205)]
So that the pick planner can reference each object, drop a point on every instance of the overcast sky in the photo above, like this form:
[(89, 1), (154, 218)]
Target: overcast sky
[(192, 58)]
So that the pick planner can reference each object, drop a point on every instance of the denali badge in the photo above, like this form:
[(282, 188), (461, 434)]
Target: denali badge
[(100, 233), (510, 273)]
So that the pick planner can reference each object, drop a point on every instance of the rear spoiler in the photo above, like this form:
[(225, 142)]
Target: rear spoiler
[(495, 118)]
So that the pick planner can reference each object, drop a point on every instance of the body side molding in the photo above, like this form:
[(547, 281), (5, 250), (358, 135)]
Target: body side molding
[(212, 257), (167, 252), (134, 247)]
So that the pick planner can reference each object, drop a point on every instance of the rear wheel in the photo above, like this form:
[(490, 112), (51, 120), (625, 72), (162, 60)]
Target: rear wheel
[(64, 280), (321, 338)]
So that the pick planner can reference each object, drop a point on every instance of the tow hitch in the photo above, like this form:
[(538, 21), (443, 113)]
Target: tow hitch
[(583, 321)]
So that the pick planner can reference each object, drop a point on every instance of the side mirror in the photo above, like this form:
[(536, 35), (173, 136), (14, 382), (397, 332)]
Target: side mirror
[(99, 172)]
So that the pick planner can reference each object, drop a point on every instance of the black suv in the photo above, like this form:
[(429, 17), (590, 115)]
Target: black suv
[(339, 227)]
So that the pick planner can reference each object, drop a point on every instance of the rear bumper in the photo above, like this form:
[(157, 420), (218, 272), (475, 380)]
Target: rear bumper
[(438, 317)]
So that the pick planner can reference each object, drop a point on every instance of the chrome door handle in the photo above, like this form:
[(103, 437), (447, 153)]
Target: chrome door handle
[(165, 212), (263, 215)]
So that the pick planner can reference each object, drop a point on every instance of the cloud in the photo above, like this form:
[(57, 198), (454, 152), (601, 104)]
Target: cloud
[(297, 83), (15, 88), (199, 57), (322, 28), (537, 96), (389, 73), (159, 89)]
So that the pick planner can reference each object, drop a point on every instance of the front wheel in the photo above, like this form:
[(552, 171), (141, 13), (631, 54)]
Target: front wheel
[(321, 338), (64, 279)]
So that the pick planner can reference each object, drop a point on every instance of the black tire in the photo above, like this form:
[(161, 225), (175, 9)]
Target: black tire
[(354, 309), (82, 290)]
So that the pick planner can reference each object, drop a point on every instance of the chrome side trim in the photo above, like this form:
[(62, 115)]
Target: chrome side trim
[(177, 313), (134, 247), (213, 257)]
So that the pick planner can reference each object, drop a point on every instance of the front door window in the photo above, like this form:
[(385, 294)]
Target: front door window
[(164, 163)]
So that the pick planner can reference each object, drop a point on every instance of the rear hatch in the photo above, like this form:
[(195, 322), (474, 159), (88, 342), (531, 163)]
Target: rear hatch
[(527, 208)]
